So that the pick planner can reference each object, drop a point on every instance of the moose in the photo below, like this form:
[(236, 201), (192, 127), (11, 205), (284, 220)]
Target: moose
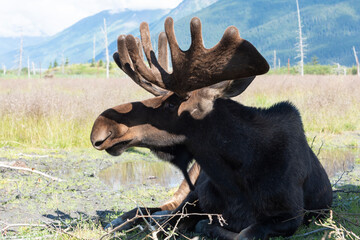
[(256, 167)]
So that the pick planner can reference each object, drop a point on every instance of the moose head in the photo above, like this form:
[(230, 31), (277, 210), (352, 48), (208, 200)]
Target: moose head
[(200, 76)]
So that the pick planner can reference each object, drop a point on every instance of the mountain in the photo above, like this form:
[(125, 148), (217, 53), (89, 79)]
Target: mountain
[(76, 42), (331, 27), (13, 43), (185, 8)]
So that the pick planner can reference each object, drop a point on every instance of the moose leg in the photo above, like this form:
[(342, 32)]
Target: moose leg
[(272, 227), (179, 196), (214, 231), (183, 220)]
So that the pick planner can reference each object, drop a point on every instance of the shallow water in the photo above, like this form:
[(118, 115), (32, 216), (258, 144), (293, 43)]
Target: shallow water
[(141, 172)]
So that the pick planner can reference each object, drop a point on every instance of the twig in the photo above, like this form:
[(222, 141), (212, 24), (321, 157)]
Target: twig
[(339, 215), (345, 191), (33, 171), (312, 232), (120, 226), (339, 231), (322, 144), (312, 143), (21, 225), (343, 173)]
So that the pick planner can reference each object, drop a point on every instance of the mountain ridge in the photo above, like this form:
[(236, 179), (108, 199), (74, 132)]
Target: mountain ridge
[(331, 28)]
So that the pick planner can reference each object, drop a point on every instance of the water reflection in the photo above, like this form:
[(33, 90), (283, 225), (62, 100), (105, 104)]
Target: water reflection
[(139, 172), (133, 173)]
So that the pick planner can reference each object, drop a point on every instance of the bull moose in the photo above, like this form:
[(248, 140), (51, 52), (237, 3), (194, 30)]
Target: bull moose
[(257, 168)]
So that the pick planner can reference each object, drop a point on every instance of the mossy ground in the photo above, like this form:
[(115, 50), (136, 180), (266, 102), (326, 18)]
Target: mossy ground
[(83, 203)]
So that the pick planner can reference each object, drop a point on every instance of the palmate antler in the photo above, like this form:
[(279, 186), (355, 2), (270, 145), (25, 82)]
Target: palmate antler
[(198, 67)]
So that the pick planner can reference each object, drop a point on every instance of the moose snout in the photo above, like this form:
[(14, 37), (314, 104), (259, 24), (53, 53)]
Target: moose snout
[(99, 138)]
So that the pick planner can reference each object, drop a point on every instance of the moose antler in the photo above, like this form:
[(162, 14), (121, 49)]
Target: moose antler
[(123, 61), (198, 67)]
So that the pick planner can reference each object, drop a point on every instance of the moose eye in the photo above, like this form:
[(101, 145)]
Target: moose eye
[(171, 105)]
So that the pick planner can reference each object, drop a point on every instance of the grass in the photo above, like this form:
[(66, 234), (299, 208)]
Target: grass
[(59, 112), (79, 70)]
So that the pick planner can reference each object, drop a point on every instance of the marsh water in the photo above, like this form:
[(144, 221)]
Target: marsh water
[(152, 173)]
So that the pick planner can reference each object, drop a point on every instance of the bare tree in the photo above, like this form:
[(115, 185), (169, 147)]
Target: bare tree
[(28, 67), (357, 61), (62, 62), (301, 43), (106, 48), (33, 68), (274, 59), (20, 56), (288, 65), (94, 47), (4, 69)]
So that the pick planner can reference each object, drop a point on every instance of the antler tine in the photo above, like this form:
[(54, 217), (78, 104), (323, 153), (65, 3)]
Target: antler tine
[(163, 51), (156, 74), (140, 47), (196, 35), (122, 59), (175, 51)]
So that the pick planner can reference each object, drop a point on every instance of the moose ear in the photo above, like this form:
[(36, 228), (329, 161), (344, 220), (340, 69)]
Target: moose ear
[(230, 88), (236, 87)]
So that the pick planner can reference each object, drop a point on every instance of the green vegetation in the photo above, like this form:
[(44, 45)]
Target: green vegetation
[(313, 68), (81, 70), (59, 112)]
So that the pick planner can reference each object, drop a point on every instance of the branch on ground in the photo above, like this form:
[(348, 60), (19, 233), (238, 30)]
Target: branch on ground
[(31, 170)]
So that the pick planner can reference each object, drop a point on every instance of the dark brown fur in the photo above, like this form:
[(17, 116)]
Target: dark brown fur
[(257, 168)]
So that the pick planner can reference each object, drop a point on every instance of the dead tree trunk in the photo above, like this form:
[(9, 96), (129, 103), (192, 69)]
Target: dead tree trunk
[(357, 61), (106, 49), (301, 41), (94, 47), (20, 56), (4, 69), (274, 59), (33, 68), (28, 67)]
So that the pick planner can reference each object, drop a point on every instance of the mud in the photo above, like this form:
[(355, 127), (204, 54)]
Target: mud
[(31, 198)]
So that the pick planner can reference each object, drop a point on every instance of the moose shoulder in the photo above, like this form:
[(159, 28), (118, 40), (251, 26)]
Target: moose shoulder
[(257, 169)]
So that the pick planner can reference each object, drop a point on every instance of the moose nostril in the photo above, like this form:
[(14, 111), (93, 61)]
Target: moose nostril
[(99, 143)]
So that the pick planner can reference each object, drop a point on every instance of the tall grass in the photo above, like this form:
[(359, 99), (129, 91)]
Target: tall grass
[(59, 112), (328, 104)]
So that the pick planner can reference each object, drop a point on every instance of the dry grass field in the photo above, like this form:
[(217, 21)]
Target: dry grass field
[(59, 113)]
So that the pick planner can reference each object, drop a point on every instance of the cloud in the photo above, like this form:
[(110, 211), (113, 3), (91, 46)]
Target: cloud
[(47, 17)]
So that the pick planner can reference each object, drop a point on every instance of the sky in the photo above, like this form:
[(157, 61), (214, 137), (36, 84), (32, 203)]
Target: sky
[(48, 17)]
